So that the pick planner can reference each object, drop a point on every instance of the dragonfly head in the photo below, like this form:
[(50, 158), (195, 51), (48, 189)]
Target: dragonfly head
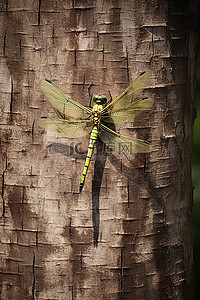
[(99, 99)]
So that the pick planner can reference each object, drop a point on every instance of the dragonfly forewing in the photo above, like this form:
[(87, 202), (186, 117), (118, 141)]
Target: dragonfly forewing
[(130, 94), (62, 102), (129, 112)]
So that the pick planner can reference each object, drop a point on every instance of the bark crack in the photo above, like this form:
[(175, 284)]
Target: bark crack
[(72, 292), (127, 65), (70, 226), (81, 259), (32, 130), (75, 55), (6, 6), (34, 278), (11, 97), (83, 81), (4, 43), (39, 11), (53, 32), (3, 188), (121, 276), (36, 238)]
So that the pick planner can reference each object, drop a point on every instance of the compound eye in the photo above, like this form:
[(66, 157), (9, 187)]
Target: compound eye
[(103, 99), (95, 98)]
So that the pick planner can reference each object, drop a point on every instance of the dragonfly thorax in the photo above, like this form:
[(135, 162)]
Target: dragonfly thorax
[(96, 112)]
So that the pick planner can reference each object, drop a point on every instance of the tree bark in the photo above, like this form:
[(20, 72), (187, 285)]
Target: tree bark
[(128, 234)]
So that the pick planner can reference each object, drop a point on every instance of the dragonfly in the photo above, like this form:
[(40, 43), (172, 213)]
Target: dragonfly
[(84, 120)]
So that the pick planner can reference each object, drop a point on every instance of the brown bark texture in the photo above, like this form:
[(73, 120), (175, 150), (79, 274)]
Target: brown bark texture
[(128, 234)]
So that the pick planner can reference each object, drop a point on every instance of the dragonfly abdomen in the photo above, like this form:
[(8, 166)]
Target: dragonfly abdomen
[(93, 138)]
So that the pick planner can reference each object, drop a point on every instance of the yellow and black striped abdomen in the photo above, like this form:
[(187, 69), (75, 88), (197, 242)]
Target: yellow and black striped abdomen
[(93, 138)]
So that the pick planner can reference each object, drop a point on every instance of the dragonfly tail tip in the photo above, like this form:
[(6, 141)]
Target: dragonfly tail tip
[(80, 187)]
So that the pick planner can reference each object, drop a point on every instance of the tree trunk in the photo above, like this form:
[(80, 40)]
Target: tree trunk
[(128, 234)]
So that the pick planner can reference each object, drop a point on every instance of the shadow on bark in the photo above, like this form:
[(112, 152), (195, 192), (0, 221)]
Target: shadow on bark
[(100, 159), (96, 185)]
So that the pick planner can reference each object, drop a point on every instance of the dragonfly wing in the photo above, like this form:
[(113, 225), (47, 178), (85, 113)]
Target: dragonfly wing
[(128, 112), (62, 102), (121, 143), (129, 95), (69, 129)]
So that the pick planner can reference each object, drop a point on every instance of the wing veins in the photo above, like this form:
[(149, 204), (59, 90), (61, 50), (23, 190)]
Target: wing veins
[(70, 129), (62, 102), (133, 89)]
